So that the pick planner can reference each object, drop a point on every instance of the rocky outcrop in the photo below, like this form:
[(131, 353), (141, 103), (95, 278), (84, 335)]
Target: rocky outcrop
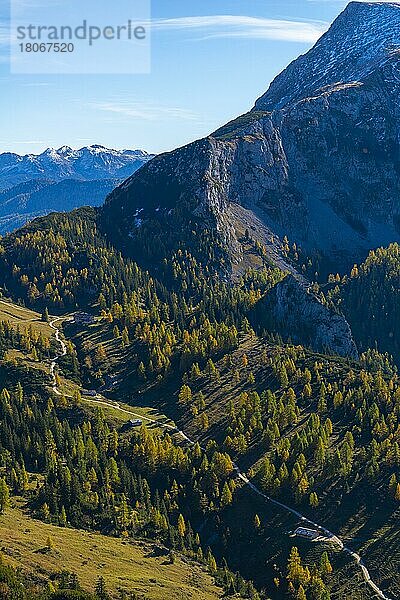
[(297, 314), (317, 159)]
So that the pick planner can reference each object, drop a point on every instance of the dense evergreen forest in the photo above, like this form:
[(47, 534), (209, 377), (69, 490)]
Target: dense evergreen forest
[(370, 299), (138, 485), (314, 431)]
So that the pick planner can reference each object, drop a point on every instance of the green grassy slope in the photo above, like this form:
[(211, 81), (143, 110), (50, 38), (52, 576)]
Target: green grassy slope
[(124, 564)]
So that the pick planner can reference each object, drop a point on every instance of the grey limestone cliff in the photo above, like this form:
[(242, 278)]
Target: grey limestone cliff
[(296, 313), (317, 159)]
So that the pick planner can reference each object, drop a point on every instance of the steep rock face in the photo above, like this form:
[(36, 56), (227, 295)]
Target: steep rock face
[(358, 43), (194, 186), (317, 159), (181, 190), (293, 312), (343, 156)]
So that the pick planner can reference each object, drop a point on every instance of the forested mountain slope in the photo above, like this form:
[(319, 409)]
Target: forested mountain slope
[(313, 430), (189, 294), (370, 299)]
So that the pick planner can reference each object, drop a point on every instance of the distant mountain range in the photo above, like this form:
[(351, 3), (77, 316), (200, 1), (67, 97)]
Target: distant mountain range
[(86, 164), (60, 180)]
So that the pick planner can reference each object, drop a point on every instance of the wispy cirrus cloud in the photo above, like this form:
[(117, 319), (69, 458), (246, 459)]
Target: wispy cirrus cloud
[(242, 26), (142, 110), (7, 146), (29, 142), (36, 84)]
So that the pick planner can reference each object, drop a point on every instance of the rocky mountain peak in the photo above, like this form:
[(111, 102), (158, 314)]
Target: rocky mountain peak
[(360, 41), (65, 150), (317, 161)]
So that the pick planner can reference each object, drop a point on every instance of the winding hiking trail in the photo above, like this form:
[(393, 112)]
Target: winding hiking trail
[(328, 535), (58, 356)]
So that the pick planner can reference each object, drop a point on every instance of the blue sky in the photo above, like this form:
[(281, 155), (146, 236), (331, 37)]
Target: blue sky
[(210, 61)]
